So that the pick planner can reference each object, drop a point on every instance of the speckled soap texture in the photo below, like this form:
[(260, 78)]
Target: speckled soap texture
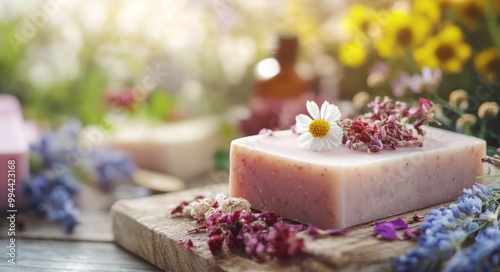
[(341, 187)]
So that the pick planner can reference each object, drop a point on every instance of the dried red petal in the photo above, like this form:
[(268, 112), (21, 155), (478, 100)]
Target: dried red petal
[(418, 217), (178, 210), (215, 244), (270, 217), (187, 244), (411, 233)]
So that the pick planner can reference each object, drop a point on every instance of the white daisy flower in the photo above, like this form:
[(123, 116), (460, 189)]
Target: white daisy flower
[(321, 132)]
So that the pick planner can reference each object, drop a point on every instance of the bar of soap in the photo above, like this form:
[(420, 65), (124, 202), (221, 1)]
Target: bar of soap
[(341, 187), (184, 149), (14, 149)]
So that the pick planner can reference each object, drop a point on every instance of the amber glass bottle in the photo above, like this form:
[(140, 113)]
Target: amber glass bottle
[(287, 83)]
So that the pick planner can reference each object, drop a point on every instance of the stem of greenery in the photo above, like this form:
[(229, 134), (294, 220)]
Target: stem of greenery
[(482, 131), (491, 21)]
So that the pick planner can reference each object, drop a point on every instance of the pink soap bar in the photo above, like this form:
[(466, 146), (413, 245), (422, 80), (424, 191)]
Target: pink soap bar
[(341, 188), (13, 152)]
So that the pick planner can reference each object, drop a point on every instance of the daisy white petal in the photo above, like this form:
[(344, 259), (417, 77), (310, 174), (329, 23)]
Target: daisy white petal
[(305, 140), (329, 114), (317, 144), (313, 109), (302, 123), (324, 110), (303, 119), (335, 115), (333, 140)]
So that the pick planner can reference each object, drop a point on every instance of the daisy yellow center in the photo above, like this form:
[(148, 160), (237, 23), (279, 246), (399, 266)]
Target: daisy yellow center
[(319, 128)]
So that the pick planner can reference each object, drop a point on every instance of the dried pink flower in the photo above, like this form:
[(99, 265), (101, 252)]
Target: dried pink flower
[(215, 244), (411, 233), (317, 232), (384, 128), (418, 217), (187, 244)]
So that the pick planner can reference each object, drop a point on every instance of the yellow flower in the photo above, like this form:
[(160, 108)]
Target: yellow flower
[(352, 54), (446, 51), (469, 12), (402, 32), (429, 9), (487, 63), (361, 19)]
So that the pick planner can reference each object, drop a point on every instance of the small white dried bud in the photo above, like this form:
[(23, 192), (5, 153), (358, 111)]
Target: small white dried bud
[(232, 204), (198, 209), (219, 197), (186, 212)]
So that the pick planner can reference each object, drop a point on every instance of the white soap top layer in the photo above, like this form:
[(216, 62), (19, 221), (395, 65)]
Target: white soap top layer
[(284, 144)]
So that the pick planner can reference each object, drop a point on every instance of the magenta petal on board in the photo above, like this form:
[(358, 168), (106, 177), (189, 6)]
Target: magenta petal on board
[(411, 233), (386, 230), (398, 223)]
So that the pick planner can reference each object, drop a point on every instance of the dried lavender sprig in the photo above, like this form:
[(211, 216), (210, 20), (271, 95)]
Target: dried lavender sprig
[(445, 229)]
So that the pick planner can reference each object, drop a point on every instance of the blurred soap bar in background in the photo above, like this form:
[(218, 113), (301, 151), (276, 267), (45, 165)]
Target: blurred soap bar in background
[(14, 151), (184, 148)]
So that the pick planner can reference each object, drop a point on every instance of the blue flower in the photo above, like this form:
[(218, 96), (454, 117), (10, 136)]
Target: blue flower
[(444, 230), (52, 195), (58, 146), (112, 167), (484, 255)]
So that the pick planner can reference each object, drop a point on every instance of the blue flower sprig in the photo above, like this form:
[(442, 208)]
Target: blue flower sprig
[(54, 173), (475, 215)]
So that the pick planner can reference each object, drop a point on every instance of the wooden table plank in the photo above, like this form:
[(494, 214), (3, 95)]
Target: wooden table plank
[(36, 255), (144, 227)]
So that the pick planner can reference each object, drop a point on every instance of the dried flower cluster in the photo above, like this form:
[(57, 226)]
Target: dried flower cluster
[(495, 160), (229, 221), (385, 127)]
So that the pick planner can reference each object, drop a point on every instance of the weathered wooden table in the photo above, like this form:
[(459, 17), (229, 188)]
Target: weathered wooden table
[(43, 246)]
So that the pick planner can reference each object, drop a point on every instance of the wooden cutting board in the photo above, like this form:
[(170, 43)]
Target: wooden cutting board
[(144, 227)]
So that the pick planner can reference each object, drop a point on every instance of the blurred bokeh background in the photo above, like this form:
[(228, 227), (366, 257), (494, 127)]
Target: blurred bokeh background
[(172, 82)]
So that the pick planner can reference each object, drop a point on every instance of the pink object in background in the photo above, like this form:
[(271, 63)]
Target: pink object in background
[(14, 148), (277, 113), (341, 187)]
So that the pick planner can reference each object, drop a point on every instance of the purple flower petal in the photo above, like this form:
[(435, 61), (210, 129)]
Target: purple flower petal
[(386, 230), (398, 223)]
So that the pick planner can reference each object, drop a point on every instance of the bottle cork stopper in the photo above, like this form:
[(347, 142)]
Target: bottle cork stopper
[(287, 49)]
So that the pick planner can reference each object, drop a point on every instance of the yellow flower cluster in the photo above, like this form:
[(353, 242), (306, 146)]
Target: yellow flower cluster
[(422, 34)]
